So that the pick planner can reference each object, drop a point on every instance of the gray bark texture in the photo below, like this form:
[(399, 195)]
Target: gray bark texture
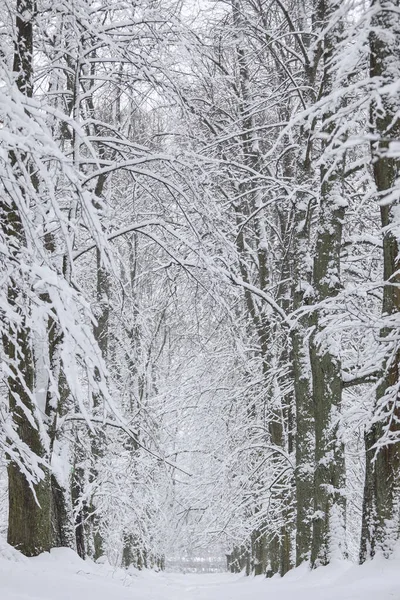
[(29, 526), (328, 534), (381, 505)]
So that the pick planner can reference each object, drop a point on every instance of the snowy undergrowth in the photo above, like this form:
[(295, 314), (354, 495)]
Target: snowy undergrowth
[(62, 575)]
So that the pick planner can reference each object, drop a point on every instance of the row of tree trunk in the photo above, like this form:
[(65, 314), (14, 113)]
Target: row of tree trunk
[(305, 422), (318, 531)]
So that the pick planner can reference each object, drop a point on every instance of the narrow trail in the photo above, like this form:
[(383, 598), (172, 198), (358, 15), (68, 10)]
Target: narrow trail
[(62, 575)]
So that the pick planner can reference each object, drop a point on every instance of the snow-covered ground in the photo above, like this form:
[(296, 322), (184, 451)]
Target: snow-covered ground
[(61, 575)]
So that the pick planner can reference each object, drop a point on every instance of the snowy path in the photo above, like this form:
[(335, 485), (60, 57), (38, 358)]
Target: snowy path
[(63, 576)]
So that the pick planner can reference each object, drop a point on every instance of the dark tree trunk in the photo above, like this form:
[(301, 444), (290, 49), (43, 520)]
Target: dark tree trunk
[(381, 504), (29, 527), (301, 278), (101, 332), (328, 534), (81, 512)]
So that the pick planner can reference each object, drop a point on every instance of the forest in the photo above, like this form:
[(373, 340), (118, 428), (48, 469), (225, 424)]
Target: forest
[(200, 280)]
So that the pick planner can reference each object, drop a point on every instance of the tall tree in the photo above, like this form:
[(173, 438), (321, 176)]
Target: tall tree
[(381, 507), (328, 537), (29, 524)]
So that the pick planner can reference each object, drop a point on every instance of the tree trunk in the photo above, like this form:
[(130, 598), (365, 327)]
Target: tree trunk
[(381, 504), (29, 527), (329, 478), (81, 514), (61, 505), (304, 439), (328, 536), (302, 275), (101, 333)]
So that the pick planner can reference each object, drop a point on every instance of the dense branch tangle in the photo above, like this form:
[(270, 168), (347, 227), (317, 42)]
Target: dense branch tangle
[(192, 261)]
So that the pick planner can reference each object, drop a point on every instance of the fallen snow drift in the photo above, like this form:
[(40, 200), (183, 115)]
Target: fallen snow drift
[(62, 575)]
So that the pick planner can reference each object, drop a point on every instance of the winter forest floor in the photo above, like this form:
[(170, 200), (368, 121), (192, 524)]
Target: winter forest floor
[(61, 575)]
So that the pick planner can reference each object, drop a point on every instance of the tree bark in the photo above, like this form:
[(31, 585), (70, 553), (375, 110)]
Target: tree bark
[(29, 526), (328, 536), (381, 503)]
